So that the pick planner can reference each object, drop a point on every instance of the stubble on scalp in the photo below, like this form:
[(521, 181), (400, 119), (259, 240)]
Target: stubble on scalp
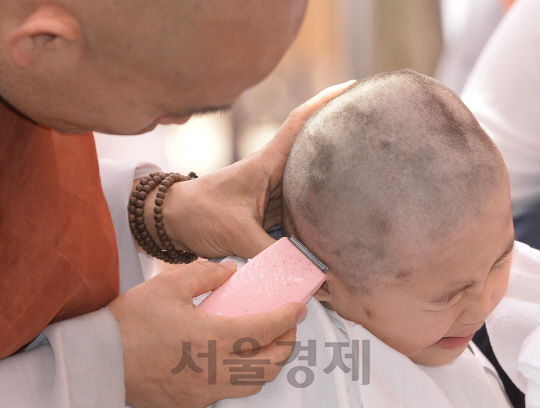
[(394, 162)]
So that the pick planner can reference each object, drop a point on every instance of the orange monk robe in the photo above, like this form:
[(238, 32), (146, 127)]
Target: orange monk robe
[(58, 253)]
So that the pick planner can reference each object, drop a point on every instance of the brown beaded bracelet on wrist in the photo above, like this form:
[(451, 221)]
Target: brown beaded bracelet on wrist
[(137, 225)]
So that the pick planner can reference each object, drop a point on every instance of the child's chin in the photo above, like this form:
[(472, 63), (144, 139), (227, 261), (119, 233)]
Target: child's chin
[(433, 356)]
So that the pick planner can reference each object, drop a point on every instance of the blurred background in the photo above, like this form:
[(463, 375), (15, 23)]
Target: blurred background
[(340, 40)]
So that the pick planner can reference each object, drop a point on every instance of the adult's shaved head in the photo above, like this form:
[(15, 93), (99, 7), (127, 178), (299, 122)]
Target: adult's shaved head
[(383, 170), (122, 65)]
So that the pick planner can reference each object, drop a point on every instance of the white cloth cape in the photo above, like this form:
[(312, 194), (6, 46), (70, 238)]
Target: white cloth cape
[(514, 325)]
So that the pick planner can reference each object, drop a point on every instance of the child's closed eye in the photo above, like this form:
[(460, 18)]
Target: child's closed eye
[(501, 264), (448, 303)]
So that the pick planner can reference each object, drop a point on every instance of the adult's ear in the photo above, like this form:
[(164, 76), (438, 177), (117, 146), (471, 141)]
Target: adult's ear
[(50, 29)]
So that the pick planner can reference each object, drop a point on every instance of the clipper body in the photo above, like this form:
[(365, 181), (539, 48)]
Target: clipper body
[(280, 274)]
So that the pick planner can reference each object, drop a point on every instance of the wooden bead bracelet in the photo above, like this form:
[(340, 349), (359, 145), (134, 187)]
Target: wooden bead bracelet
[(137, 225)]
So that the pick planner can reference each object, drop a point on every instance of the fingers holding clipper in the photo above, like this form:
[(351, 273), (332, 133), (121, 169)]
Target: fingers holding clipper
[(205, 276)]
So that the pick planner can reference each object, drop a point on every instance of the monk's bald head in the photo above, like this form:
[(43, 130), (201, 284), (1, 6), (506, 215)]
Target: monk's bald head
[(197, 32), (135, 61), (394, 163)]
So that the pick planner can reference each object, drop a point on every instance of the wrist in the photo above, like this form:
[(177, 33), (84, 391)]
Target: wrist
[(149, 217), (175, 210), (142, 216)]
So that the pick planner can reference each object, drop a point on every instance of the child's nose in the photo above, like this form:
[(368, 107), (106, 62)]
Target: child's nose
[(479, 306)]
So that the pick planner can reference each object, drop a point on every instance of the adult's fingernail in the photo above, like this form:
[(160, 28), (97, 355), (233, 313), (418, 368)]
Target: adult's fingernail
[(346, 84), (230, 264), (302, 315)]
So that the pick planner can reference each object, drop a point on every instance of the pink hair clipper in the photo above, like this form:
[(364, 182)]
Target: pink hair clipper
[(284, 272)]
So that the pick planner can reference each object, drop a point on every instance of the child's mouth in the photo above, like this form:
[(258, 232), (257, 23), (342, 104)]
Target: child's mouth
[(450, 343)]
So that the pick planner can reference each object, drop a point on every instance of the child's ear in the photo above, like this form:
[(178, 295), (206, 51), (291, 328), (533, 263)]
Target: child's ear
[(323, 294), (49, 29)]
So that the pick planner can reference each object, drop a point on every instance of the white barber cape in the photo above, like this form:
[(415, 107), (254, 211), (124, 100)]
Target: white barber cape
[(385, 377), (514, 326)]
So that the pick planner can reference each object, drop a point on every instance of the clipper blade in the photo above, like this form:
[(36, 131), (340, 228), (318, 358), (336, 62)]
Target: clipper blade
[(309, 255)]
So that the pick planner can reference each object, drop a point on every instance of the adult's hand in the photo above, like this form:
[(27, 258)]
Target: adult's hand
[(159, 325), (227, 212)]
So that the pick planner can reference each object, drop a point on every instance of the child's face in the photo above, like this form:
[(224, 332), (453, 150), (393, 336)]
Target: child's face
[(453, 287)]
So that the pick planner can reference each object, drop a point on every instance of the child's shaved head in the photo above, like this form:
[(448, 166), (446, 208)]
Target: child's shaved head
[(393, 163)]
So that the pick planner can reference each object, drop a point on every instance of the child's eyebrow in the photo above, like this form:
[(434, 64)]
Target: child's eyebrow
[(448, 296)]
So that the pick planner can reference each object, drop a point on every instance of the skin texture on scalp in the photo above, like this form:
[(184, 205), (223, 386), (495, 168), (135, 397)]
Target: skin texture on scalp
[(392, 164), (129, 63)]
